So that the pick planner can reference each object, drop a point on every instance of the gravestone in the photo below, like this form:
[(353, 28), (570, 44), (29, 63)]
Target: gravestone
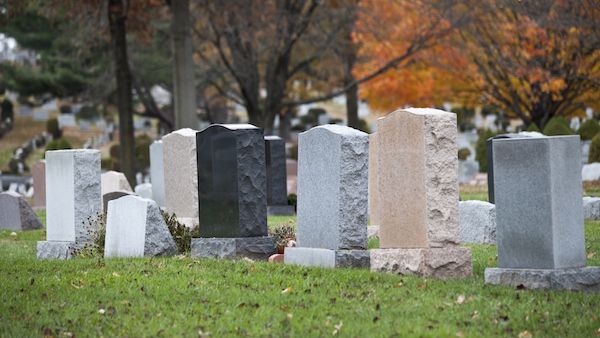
[(417, 183), (277, 203), (477, 222), (467, 170), (38, 174), (373, 197), (232, 193), (135, 228), (590, 172), (144, 190), (333, 165), (16, 214), (73, 201), (157, 174), (66, 120), (291, 168), (113, 195), (181, 179), (113, 181), (539, 215), (591, 208)]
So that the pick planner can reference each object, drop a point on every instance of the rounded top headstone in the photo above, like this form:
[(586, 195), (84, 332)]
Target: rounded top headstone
[(272, 138), (338, 130)]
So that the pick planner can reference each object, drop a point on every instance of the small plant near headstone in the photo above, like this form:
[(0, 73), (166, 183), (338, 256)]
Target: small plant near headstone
[(594, 150), (283, 233), (182, 235), (463, 153), (533, 127), (293, 200), (588, 130), (481, 148), (95, 248)]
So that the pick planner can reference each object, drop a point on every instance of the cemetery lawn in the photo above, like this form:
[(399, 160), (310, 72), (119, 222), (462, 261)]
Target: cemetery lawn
[(179, 296)]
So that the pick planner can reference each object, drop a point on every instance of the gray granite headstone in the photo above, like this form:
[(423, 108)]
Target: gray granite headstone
[(333, 188), (73, 199), (113, 195), (136, 228), (157, 174), (232, 181), (16, 214), (537, 192), (276, 170), (477, 222)]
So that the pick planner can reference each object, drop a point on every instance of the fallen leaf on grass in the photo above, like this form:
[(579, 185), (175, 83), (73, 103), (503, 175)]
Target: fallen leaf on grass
[(460, 299), (338, 327), (460, 334), (13, 233), (116, 274), (525, 334), (591, 255), (101, 311), (399, 285), (475, 315), (286, 290)]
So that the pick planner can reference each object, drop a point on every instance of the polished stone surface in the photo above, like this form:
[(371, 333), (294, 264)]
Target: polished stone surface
[(232, 181), (73, 198), (113, 195), (537, 190), (276, 170), (332, 188), (417, 179), (157, 172)]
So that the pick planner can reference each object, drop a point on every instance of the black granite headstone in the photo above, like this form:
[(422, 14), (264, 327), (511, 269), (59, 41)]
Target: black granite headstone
[(276, 171), (231, 181)]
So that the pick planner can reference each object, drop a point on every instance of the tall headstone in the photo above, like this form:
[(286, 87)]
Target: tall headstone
[(16, 214), (232, 192), (417, 183), (181, 181), (333, 166), (277, 203), (373, 197), (157, 172), (113, 181), (135, 228), (539, 215), (73, 196), (38, 173)]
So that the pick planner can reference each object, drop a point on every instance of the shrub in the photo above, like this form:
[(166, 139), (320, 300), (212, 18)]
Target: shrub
[(53, 128), (594, 150), (533, 127), (463, 153), (58, 144), (557, 126), (588, 129), (293, 152), (283, 233), (293, 200), (363, 125), (481, 149), (106, 163), (181, 234)]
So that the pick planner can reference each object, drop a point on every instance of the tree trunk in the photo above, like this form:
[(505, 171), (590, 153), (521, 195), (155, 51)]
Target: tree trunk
[(183, 66), (117, 20), (352, 106)]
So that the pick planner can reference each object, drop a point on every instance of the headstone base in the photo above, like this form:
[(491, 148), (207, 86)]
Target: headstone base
[(449, 262), (55, 250), (280, 210), (578, 279), (327, 258), (251, 247)]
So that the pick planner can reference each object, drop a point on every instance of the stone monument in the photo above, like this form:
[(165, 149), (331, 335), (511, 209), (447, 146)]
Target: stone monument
[(16, 214), (113, 181), (277, 202), (38, 173), (373, 197), (157, 173)]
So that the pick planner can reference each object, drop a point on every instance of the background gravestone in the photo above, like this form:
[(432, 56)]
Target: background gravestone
[(113, 181), (332, 198), (373, 197), (157, 174), (181, 180), (16, 214), (539, 214), (277, 203), (477, 222), (417, 183), (38, 173), (144, 190), (135, 228), (232, 191), (113, 195), (73, 201)]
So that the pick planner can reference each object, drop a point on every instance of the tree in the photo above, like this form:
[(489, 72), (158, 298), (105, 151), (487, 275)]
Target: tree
[(422, 34), (536, 59), (271, 56)]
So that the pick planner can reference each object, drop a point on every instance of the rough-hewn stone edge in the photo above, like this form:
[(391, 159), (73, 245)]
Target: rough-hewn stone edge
[(579, 279), (55, 250), (227, 248), (281, 210), (449, 262), (327, 258)]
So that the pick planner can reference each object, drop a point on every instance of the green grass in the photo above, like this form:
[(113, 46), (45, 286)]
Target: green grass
[(180, 296)]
